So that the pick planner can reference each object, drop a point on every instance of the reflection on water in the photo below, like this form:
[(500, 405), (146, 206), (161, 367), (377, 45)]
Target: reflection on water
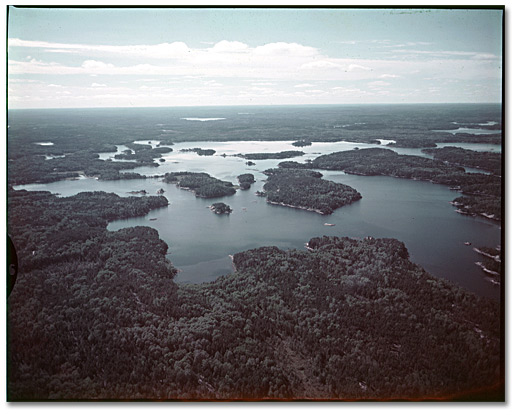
[(200, 242)]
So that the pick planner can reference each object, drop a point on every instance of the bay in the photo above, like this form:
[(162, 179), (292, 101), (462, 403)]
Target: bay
[(201, 242)]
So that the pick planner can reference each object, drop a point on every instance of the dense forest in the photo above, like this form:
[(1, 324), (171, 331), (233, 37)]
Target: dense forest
[(307, 190), (482, 192), (202, 184), (245, 181), (71, 165), (220, 208), (144, 154), (487, 161), (347, 319), (302, 143)]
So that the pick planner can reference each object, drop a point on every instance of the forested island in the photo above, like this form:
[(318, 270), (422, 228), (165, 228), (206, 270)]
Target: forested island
[(220, 208), (302, 143), (202, 184), (245, 181), (307, 190), (145, 154), (200, 151), (99, 317), (272, 155), (482, 192)]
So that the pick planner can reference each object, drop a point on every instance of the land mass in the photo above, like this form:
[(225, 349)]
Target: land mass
[(96, 315), (200, 151), (487, 161), (202, 184), (220, 208), (245, 181), (305, 189), (272, 155)]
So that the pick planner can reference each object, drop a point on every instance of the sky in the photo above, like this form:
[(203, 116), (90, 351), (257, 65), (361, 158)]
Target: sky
[(148, 57)]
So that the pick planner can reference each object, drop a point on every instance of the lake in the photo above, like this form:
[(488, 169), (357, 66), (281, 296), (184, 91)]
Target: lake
[(200, 242)]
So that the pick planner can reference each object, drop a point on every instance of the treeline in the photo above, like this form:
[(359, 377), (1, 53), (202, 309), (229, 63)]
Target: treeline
[(482, 192), (245, 181), (306, 190), (271, 155), (348, 319), (144, 154), (202, 184), (302, 143), (37, 169), (487, 161), (220, 208), (200, 151), (46, 228)]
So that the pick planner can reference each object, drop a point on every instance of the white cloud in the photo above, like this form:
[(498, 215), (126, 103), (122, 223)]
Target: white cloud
[(97, 85), (355, 67), (320, 64), (90, 64), (283, 48), (389, 76), (163, 50), (305, 85), (378, 83), (227, 46)]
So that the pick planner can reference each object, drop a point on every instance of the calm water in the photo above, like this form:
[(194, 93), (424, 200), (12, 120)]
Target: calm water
[(200, 242)]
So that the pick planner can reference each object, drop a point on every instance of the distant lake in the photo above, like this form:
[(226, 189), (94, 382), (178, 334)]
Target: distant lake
[(200, 242)]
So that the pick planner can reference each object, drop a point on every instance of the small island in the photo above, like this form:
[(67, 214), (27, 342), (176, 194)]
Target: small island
[(200, 151), (302, 143), (271, 155), (220, 208), (306, 190), (245, 181), (202, 184), (142, 153)]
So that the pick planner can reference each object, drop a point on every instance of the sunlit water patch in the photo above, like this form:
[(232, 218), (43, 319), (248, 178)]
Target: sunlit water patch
[(470, 130)]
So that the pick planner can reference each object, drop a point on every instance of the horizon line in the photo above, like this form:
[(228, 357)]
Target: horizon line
[(254, 105)]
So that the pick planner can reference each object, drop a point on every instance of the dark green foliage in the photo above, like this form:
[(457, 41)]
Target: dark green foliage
[(376, 161), (349, 319), (305, 189), (220, 208), (245, 181), (487, 206), (302, 143), (202, 184), (46, 229), (143, 154), (116, 175), (273, 155), (72, 165), (488, 161), (200, 151)]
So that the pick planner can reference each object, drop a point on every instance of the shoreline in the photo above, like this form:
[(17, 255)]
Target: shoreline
[(296, 207)]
